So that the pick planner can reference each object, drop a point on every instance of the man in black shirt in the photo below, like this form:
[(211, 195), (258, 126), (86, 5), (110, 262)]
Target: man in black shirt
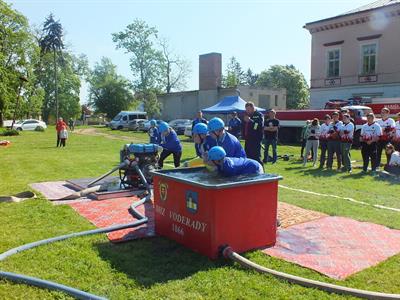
[(271, 126), (253, 132), (199, 119)]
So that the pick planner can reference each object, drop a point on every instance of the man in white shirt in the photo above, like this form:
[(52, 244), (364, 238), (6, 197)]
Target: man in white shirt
[(323, 140), (334, 142), (388, 126), (370, 134), (346, 140)]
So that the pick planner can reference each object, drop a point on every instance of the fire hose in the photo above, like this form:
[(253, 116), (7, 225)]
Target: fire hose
[(20, 278), (327, 287)]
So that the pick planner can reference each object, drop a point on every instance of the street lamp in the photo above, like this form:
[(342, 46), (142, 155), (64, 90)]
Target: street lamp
[(22, 79)]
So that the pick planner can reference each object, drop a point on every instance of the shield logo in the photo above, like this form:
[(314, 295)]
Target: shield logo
[(192, 201), (163, 188)]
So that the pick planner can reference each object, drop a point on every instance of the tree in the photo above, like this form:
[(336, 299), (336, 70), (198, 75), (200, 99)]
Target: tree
[(251, 78), (234, 74), (146, 61), (175, 69), (52, 42), (151, 104), (17, 55), (109, 92), (277, 76)]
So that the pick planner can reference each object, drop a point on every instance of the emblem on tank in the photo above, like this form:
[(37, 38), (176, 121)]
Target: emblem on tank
[(163, 191), (192, 201)]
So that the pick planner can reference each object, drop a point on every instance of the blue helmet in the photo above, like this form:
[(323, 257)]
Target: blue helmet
[(163, 127), (216, 153), (200, 128), (153, 122), (215, 124)]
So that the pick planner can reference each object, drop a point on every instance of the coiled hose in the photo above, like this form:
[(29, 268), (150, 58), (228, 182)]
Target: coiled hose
[(20, 278), (327, 287)]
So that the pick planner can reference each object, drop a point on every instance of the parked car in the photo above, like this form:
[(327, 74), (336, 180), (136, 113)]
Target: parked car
[(146, 125), (180, 125), (122, 120), (30, 124), (134, 124), (188, 131)]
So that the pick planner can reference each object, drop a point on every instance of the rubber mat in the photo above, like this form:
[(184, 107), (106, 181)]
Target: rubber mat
[(115, 211), (336, 246)]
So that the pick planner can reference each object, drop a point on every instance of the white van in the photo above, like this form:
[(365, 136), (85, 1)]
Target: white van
[(122, 120)]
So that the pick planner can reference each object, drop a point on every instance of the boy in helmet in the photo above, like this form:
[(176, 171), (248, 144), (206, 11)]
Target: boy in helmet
[(232, 166), (199, 134), (171, 145), (219, 137), (154, 133)]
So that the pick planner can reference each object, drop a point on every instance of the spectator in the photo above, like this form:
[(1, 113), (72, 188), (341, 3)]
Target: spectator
[(334, 142), (199, 119), (393, 166), (346, 140), (235, 125), (63, 136), (312, 141), (171, 145), (370, 133), (59, 126), (271, 126), (153, 133), (396, 136), (303, 138), (253, 132), (388, 128), (71, 124), (323, 140)]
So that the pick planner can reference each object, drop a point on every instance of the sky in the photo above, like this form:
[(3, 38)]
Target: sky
[(259, 33)]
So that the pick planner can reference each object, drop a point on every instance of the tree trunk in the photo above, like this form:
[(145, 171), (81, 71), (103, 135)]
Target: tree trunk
[(168, 77), (1, 119), (55, 83)]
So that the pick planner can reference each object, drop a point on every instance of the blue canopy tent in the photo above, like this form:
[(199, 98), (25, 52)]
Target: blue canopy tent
[(228, 105)]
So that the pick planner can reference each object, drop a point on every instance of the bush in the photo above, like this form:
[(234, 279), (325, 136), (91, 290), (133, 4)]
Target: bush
[(39, 128), (9, 132)]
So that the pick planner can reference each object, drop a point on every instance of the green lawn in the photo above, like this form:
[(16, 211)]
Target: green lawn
[(158, 268)]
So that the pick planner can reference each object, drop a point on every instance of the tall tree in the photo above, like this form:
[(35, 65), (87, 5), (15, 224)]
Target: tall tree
[(138, 39), (52, 41), (109, 92), (297, 93), (251, 77), (17, 53), (175, 68), (234, 74)]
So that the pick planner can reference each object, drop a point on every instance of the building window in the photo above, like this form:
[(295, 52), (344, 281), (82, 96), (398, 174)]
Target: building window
[(334, 63), (368, 59), (276, 100)]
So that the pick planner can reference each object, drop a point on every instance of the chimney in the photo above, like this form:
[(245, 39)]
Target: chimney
[(210, 71)]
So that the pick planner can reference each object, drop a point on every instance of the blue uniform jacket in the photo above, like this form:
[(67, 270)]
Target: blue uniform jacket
[(171, 142), (236, 126), (233, 166), (229, 142), (154, 135)]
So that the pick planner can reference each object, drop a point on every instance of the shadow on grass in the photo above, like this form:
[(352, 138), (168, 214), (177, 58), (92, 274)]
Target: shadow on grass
[(312, 171), (155, 260)]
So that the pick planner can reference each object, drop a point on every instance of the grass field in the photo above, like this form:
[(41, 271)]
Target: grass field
[(158, 268)]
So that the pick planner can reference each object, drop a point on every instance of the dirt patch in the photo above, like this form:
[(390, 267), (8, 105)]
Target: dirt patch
[(290, 215), (94, 132)]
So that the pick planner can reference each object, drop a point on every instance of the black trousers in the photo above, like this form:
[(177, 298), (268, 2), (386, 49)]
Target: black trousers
[(381, 147), (62, 142), (334, 147), (253, 150), (392, 169), (58, 139), (165, 153), (324, 149), (368, 153)]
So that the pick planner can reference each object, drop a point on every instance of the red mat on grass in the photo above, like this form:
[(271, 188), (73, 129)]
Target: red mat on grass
[(335, 246), (115, 211)]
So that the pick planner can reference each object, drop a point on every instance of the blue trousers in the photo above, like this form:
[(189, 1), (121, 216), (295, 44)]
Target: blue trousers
[(272, 143)]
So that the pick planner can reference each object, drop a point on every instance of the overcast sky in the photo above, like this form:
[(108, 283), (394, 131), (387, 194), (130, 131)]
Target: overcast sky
[(259, 33)]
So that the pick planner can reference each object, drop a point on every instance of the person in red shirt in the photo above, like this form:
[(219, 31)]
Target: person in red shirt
[(60, 126)]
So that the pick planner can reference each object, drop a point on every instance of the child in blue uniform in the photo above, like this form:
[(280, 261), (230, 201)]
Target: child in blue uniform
[(233, 166), (171, 145), (153, 133), (219, 137)]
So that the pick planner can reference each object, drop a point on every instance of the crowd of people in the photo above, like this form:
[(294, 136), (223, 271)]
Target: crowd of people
[(332, 136)]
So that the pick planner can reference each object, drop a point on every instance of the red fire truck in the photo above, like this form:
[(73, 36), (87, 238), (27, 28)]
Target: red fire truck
[(292, 121), (376, 104)]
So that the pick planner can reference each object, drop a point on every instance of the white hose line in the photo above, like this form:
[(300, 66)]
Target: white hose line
[(339, 197)]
